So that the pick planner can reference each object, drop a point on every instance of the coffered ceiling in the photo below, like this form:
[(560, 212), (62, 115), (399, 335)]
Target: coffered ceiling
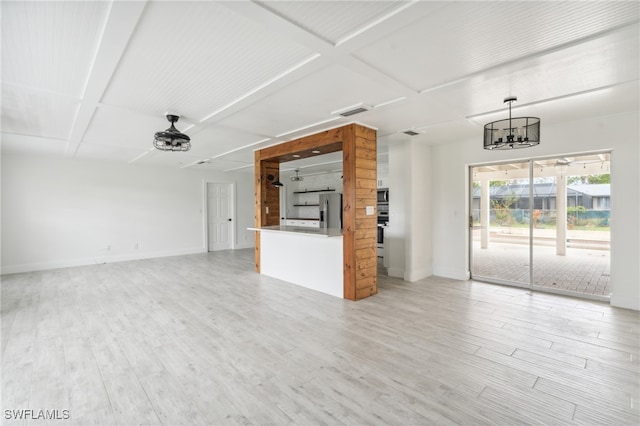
[(93, 80)]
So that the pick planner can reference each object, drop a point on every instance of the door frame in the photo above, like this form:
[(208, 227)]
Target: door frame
[(205, 212)]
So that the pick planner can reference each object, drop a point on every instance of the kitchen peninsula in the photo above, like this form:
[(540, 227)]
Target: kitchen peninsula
[(316, 257), (309, 257)]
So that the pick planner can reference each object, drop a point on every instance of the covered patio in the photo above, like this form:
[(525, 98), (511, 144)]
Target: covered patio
[(584, 268)]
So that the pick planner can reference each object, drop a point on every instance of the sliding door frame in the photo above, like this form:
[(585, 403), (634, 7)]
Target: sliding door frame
[(530, 161)]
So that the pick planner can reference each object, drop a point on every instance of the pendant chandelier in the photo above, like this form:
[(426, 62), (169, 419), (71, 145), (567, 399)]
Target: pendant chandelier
[(512, 133), (171, 139)]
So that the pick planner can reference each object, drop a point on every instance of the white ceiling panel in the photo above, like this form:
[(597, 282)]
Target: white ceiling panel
[(215, 140), (244, 156), (247, 75), (466, 37), (247, 154), (220, 165), (193, 58), (409, 114), (107, 153), (167, 158), (450, 130), (20, 144), (610, 60), (50, 46), (333, 20), (309, 101), (616, 99), (37, 113)]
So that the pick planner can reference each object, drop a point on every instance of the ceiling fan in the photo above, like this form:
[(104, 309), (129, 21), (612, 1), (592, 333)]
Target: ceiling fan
[(567, 162), (171, 139)]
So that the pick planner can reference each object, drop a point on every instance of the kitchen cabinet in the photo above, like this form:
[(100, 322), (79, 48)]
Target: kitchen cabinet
[(305, 223)]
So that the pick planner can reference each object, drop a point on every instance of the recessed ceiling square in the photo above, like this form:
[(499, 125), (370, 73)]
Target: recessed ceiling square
[(193, 58)]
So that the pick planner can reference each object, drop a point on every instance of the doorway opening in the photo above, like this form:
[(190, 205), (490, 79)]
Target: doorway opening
[(543, 224), (220, 209)]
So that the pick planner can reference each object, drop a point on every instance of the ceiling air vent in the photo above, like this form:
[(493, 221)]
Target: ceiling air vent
[(410, 133), (352, 110)]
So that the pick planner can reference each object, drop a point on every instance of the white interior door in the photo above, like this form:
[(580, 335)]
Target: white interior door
[(220, 216)]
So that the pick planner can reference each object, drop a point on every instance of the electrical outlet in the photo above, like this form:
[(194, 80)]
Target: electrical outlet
[(135, 246), (109, 247)]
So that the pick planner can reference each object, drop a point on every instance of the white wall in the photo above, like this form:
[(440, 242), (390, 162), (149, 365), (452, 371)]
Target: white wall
[(620, 133), (420, 258), (60, 212), (396, 234), (408, 237)]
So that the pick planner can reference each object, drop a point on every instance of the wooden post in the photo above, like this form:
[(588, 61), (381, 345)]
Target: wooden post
[(359, 172), (266, 198)]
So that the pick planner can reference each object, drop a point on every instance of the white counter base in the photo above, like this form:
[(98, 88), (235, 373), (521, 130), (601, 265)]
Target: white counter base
[(303, 259)]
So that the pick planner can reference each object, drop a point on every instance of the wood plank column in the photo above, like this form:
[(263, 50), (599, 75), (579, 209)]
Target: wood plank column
[(359, 169), (266, 199)]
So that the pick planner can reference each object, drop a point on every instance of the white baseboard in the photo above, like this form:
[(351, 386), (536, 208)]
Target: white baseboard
[(395, 272), (241, 246), (69, 263), (416, 275), (453, 274), (626, 303)]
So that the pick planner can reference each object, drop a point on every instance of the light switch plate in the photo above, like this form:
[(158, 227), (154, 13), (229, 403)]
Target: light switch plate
[(369, 210)]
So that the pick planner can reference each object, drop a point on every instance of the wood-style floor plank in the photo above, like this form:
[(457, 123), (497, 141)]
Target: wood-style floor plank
[(203, 339)]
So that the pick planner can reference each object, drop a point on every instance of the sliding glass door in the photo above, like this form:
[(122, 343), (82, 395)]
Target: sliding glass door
[(571, 227), (543, 224), (500, 235)]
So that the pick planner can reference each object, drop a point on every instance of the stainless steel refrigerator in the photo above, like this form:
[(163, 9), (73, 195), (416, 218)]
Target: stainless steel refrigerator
[(330, 211)]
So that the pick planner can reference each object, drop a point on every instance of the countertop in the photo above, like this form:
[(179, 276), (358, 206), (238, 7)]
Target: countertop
[(312, 232)]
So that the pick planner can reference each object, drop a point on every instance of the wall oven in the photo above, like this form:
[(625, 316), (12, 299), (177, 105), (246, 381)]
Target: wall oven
[(383, 217), (383, 221), (383, 195)]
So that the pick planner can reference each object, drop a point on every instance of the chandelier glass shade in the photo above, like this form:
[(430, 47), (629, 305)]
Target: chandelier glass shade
[(512, 133), (171, 139)]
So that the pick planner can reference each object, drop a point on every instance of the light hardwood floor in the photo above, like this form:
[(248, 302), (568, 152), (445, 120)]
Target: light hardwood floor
[(203, 339)]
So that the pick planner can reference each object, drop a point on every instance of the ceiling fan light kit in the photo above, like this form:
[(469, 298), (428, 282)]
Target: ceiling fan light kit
[(171, 139), (296, 178), (512, 133)]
